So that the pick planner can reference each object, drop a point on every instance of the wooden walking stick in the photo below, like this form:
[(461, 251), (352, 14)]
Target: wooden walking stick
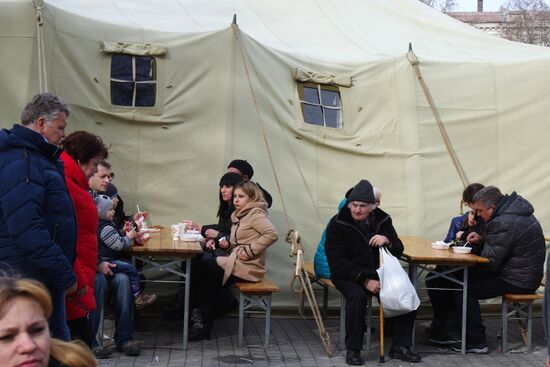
[(382, 357)]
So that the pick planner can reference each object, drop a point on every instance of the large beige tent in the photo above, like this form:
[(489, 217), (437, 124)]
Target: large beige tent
[(224, 92)]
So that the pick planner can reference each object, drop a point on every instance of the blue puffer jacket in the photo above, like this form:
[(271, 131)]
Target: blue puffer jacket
[(37, 220), (320, 261)]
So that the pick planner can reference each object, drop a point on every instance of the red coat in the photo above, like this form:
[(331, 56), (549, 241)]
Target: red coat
[(78, 305)]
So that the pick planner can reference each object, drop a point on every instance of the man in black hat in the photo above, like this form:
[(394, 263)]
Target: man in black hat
[(243, 168), (354, 237)]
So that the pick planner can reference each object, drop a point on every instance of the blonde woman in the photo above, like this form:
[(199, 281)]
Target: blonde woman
[(25, 306), (251, 234)]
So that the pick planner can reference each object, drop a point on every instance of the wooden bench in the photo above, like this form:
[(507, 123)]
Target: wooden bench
[(255, 294), (523, 305), (326, 284)]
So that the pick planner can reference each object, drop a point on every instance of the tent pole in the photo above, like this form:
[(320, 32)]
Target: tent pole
[(236, 32), (454, 158), (42, 77)]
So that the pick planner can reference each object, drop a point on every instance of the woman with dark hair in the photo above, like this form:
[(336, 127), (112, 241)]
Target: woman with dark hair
[(25, 305), (82, 153), (461, 223), (218, 235)]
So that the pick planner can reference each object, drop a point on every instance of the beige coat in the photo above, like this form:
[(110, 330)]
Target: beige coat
[(253, 233)]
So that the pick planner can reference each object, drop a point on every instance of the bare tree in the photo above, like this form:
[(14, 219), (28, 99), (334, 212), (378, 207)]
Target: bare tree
[(527, 21), (442, 5)]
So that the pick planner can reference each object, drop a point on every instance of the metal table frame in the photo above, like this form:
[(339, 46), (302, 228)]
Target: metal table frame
[(186, 279)]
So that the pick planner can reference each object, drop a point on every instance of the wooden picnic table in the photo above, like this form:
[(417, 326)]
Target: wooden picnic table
[(162, 244), (419, 253)]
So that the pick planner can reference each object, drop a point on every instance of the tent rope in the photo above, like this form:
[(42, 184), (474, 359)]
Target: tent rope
[(42, 76), (454, 158), (236, 32)]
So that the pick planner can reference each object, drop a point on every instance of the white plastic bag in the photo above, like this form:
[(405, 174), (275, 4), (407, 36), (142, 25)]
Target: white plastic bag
[(397, 294)]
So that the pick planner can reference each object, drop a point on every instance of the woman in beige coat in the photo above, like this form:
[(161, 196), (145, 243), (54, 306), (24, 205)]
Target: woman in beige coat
[(251, 234)]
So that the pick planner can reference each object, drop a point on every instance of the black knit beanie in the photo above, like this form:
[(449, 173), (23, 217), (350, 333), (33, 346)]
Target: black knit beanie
[(243, 166), (362, 192), (230, 179)]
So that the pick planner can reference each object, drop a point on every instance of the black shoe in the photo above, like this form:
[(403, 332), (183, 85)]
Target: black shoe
[(353, 357), (128, 348), (102, 352), (405, 354), (476, 349), (439, 336), (199, 333)]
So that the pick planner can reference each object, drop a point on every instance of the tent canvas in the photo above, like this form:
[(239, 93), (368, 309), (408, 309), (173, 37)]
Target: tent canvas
[(226, 92)]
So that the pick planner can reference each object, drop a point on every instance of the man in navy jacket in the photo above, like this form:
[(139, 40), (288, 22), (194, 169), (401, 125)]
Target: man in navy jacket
[(37, 221)]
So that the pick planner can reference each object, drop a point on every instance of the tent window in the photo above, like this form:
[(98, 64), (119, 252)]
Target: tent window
[(321, 104), (133, 80)]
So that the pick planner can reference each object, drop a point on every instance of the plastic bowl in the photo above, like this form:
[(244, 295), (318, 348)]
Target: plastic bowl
[(440, 245), (462, 250)]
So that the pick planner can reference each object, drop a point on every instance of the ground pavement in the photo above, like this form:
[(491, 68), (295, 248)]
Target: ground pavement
[(294, 343)]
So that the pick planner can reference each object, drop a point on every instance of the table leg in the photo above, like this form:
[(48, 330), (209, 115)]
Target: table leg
[(464, 309), (186, 301), (412, 273)]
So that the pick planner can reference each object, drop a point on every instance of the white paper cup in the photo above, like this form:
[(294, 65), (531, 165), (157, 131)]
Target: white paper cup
[(176, 231)]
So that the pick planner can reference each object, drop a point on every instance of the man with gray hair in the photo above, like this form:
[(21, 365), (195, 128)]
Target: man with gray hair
[(37, 220), (513, 242), (354, 237)]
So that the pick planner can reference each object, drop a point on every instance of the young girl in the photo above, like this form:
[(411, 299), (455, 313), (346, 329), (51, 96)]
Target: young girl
[(251, 234), (110, 245)]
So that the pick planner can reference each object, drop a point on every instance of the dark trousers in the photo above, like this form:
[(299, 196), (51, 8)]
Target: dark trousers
[(81, 329), (400, 328), (206, 283), (443, 302), (482, 288)]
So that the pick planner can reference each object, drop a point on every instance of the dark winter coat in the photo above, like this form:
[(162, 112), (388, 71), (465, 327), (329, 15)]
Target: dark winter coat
[(83, 301), (347, 245), (514, 243), (37, 220)]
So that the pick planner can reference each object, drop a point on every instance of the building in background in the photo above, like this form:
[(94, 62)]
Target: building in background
[(526, 21)]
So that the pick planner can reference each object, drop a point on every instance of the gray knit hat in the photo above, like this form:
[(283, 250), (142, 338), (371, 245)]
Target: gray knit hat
[(362, 192), (103, 204)]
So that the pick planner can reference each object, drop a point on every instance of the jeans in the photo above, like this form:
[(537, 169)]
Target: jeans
[(58, 319), (121, 295), (130, 270)]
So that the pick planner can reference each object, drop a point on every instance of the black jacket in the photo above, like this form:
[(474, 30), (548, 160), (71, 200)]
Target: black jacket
[(514, 243), (347, 245)]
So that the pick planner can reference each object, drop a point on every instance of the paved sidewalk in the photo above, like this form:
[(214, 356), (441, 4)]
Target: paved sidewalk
[(294, 343)]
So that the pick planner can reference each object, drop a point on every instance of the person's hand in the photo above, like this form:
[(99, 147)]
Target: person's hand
[(105, 268), (71, 289), (189, 224), (379, 241), (474, 238), (81, 291), (210, 244), (131, 234), (223, 243), (127, 226), (459, 234), (372, 285), (211, 233), (139, 216), (243, 256)]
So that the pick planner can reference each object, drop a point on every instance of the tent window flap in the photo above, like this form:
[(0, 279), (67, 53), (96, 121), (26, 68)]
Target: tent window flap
[(138, 49)]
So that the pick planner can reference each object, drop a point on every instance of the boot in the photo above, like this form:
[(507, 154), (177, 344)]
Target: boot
[(201, 328)]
